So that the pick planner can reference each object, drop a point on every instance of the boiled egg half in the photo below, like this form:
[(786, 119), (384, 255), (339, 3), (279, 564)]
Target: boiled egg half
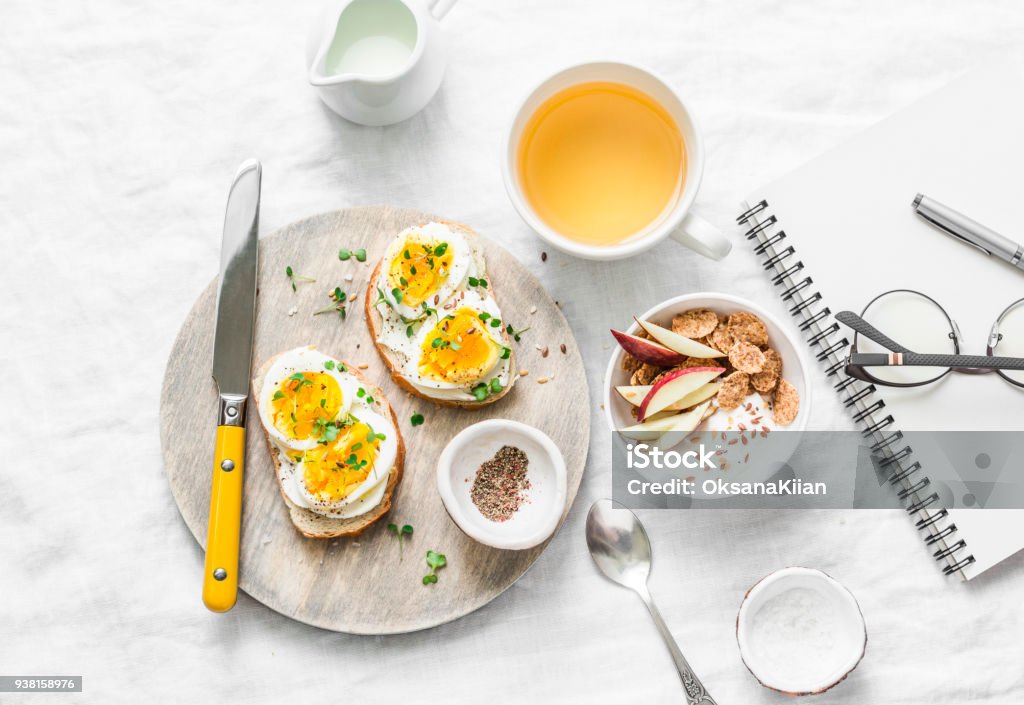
[(423, 267), (303, 391)]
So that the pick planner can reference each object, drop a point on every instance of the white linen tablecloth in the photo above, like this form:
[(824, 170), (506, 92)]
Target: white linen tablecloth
[(121, 124)]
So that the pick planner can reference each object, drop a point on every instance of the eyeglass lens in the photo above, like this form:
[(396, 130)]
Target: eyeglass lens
[(914, 321), (1011, 342)]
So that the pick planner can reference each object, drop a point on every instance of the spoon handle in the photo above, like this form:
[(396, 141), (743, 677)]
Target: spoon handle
[(696, 693)]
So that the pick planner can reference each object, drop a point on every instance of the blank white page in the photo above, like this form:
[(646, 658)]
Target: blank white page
[(849, 216)]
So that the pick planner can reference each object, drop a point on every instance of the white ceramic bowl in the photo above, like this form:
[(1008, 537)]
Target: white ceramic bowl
[(794, 369), (800, 632), (538, 517)]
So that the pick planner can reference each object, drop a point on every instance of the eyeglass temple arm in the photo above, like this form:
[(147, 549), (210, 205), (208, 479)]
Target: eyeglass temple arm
[(859, 325), (910, 359)]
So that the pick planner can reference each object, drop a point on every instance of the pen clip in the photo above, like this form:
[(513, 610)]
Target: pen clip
[(958, 236), (961, 238)]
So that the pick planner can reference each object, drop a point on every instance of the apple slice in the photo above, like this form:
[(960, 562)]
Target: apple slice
[(674, 386), (635, 395), (678, 343), (660, 415), (650, 430), (684, 423), (647, 350), (695, 397)]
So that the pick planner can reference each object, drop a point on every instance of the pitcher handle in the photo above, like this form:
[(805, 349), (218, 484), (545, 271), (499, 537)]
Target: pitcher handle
[(440, 8)]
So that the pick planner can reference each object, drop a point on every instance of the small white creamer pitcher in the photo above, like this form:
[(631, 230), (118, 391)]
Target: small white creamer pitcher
[(378, 62)]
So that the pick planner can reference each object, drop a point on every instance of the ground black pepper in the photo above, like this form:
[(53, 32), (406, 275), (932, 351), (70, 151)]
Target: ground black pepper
[(500, 484)]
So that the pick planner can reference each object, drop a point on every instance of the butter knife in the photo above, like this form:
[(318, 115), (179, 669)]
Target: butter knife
[(232, 362)]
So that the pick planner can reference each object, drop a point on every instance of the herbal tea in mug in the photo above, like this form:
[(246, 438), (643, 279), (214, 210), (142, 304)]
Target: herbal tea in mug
[(600, 161)]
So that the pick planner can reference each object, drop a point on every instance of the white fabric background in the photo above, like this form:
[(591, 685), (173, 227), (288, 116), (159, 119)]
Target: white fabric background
[(120, 127)]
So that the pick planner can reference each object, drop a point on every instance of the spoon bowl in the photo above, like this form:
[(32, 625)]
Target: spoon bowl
[(619, 544), (621, 550)]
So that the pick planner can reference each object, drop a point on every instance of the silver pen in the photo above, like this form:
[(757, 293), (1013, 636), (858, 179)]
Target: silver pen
[(969, 231)]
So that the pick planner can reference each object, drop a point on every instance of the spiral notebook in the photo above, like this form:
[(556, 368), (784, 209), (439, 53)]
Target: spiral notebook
[(840, 230)]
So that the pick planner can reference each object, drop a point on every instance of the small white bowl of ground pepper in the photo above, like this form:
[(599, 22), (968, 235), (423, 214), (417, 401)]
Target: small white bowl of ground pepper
[(503, 483)]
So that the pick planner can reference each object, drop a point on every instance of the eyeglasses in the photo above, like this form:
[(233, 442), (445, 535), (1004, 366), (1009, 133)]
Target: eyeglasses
[(921, 324)]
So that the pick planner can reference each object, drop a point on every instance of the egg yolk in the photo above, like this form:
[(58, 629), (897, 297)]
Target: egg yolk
[(459, 349), (334, 471), (303, 402), (419, 269)]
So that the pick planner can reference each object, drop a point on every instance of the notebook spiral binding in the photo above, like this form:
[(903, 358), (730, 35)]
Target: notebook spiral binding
[(814, 319)]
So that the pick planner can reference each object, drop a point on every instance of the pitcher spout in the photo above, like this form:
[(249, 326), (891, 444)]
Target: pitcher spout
[(370, 41), (319, 73)]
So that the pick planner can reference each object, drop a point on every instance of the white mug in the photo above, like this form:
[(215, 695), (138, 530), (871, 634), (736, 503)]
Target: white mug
[(676, 222)]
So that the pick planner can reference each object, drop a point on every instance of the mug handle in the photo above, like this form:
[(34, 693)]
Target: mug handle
[(702, 237), (440, 8)]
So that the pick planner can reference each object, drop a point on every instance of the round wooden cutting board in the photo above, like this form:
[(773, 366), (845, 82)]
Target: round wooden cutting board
[(359, 585)]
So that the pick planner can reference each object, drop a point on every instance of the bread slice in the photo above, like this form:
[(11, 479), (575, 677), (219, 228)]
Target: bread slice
[(318, 526), (392, 360)]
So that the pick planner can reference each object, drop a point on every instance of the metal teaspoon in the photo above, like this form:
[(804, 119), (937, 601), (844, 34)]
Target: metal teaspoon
[(620, 548)]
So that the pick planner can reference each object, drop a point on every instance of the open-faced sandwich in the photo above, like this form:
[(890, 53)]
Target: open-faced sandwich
[(333, 439), (432, 314)]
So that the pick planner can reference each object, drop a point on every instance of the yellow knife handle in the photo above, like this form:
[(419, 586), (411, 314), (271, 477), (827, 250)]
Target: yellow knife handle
[(220, 579)]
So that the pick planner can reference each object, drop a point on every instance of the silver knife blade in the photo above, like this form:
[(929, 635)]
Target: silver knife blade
[(236, 290)]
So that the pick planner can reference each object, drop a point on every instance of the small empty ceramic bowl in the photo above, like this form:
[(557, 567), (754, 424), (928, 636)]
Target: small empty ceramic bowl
[(543, 501), (800, 632)]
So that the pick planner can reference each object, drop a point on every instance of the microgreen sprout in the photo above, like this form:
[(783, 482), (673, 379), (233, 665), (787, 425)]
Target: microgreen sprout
[(435, 561), (345, 254), (339, 298), (515, 333), (382, 299), (400, 532), (293, 277), (325, 431)]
